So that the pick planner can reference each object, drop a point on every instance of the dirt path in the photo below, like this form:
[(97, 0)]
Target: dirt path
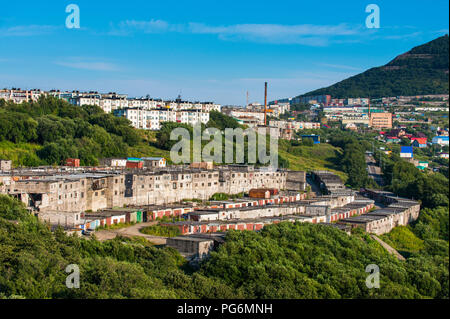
[(130, 232), (389, 248)]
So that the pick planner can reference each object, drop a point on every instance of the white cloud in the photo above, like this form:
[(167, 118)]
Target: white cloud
[(269, 30), (153, 26), (403, 36), (339, 66), (307, 34), (27, 30), (89, 65)]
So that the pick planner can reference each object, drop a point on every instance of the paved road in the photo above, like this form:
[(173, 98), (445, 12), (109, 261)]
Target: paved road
[(131, 232), (374, 171)]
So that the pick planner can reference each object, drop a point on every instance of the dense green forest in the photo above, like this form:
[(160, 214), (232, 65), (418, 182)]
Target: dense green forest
[(51, 130), (287, 260), (404, 179), (62, 131), (352, 160), (221, 122), (422, 70)]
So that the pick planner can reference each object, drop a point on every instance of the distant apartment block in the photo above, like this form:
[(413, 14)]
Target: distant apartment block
[(18, 96), (380, 120), (441, 140), (294, 125), (249, 115), (322, 99), (143, 112), (152, 119)]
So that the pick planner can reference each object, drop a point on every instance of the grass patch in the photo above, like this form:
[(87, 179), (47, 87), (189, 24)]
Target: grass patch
[(403, 240), (159, 230), (321, 156), (21, 154), (224, 196)]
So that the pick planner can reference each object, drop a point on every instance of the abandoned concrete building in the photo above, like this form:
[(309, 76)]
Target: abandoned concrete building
[(328, 182), (94, 189), (399, 212), (197, 246)]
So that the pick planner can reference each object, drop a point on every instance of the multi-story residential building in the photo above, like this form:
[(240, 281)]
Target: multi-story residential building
[(245, 113), (279, 108), (440, 139), (108, 105), (152, 119), (322, 99), (137, 117), (91, 99), (360, 118), (380, 120), (356, 101), (144, 113), (179, 105), (108, 101), (18, 96), (294, 125)]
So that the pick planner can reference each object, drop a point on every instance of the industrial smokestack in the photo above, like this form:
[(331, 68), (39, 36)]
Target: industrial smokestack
[(265, 103)]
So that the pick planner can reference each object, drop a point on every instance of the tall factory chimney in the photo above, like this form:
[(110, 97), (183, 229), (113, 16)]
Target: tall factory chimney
[(265, 103), (246, 106)]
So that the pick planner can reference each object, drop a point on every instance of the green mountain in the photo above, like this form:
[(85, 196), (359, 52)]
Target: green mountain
[(422, 70)]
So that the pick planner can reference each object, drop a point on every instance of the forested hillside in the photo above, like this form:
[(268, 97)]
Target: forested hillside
[(50, 130), (422, 70), (56, 130)]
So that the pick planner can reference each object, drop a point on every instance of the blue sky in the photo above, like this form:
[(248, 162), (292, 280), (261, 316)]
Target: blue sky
[(206, 50)]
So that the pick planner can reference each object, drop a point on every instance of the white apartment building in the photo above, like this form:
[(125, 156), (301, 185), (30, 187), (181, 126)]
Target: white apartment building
[(357, 101), (294, 125), (137, 117), (245, 113), (144, 113), (192, 117), (152, 119), (178, 105), (18, 96), (209, 106), (146, 104), (110, 104), (279, 108), (93, 99)]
